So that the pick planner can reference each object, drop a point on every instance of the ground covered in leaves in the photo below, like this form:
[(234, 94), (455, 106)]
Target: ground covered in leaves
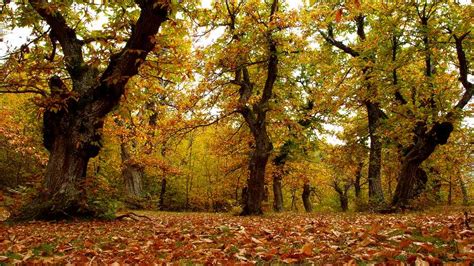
[(417, 238)]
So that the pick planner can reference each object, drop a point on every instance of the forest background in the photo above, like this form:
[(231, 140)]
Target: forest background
[(245, 107)]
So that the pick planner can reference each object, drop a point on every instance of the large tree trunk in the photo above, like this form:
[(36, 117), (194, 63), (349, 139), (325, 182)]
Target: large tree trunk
[(72, 138), (132, 173), (411, 177), (255, 115), (277, 193), (375, 157), (72, 134), (66, 169), (256, 181), (308, 206)]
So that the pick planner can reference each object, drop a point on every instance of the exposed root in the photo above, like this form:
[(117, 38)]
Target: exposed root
[(133, 216)]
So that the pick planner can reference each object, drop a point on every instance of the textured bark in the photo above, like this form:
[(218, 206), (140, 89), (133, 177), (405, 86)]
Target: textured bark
[(411, 177), (256, 181), (308, 206), (72, 135), (375, 155), (132, 173)]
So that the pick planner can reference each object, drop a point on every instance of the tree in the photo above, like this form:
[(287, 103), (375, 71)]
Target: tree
[(427, 136), (369, 99), (245, 63), (72, 133)]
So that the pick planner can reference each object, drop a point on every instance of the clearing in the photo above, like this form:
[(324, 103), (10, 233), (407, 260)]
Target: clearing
[(429, 237)]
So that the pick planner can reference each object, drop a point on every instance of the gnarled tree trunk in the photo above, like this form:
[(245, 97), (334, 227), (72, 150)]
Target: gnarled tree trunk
[(410, 178), (72, 135), (132, 173), (258, 164), (425, 140)]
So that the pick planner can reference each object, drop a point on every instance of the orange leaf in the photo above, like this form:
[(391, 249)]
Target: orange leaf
[(357, 3), (307, 249), (405, 243), (338, 15)]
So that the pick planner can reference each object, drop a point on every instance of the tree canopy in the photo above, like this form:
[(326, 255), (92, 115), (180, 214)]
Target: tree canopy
[(235, 105)]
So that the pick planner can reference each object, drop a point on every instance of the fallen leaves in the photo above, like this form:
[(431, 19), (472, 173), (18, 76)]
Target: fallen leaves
[(420, 239)]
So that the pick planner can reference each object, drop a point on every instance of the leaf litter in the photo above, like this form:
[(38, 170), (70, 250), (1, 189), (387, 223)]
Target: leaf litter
[(417, 238)]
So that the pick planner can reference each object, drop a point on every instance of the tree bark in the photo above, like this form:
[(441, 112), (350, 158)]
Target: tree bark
[(375, 156), (256, 181), (162, 194), (72, 134), (344, 200), (255, 116), (357, 181), (410, 177), (279, 161), (277, 193), (308, 206), (342, 192), (374, 113), (465, 195), (425, 141), (132, 173)]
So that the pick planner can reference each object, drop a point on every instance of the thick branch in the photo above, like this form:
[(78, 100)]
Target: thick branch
[(272, 68), (360, 27), (71, 46), (463, 71), (125, 64)]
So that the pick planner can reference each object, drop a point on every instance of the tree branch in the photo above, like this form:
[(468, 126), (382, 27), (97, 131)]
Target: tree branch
[(126, 63), (71, 46), (272, 68), (330, 39), (463, 71)]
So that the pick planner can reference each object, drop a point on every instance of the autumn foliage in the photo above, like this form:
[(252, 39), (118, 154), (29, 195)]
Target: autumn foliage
[(241, 108)]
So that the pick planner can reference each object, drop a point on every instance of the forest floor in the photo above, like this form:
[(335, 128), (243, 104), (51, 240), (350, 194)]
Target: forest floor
[(415, 238)]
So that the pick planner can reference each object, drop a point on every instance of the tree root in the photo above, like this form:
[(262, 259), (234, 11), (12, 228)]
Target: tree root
[(133, 216)]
